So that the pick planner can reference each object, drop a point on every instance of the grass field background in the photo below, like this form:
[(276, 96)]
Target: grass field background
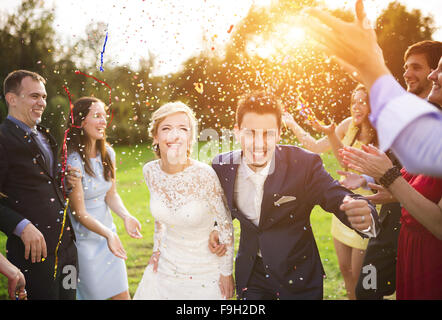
[(134, 192)]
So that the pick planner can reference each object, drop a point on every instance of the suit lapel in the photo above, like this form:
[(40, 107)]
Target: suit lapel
[(273, 185), (229, 176), (28, 141)]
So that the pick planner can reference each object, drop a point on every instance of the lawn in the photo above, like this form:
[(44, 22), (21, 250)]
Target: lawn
[(135, 195)]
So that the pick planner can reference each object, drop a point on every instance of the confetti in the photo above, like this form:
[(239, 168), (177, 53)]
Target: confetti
[(199, 87)]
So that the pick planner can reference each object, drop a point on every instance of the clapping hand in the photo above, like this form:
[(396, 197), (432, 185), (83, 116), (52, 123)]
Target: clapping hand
[(382, 196), (353, 44), (351, 180), (370, 160)]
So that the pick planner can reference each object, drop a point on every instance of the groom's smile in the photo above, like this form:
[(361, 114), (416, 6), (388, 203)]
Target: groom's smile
[(258, 136)]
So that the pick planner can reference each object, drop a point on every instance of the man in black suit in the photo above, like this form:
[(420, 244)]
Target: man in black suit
[(271, 189), (33, 211)]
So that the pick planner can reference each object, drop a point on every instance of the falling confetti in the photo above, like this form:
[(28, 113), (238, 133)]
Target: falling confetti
[(199, 87)]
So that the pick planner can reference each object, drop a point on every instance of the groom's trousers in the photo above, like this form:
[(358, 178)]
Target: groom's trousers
[(263, 286)]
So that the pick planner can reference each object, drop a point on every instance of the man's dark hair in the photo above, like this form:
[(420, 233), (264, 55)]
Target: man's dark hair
[(260, 102), (13, 80), (431, 49)]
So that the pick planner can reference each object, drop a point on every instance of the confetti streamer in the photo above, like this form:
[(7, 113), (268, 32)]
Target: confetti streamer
[(102, 53), (59, 238), (304, 108)]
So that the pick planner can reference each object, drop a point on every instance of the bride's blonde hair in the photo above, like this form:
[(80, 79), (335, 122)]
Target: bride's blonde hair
[(166, 110)]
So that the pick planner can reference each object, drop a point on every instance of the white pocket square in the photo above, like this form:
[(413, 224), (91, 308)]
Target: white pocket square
[(284, 199)]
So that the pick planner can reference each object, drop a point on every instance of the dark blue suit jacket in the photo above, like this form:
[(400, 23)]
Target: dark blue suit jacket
[(284, 234)]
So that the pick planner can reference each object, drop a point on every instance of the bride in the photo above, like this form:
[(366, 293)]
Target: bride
[(187, 202)]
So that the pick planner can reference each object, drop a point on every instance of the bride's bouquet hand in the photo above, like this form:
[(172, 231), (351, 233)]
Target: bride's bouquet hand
[(227, 286), (154, 260), (115, 245)]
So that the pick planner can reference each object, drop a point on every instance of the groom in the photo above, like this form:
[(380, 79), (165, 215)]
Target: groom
[(271, 189)]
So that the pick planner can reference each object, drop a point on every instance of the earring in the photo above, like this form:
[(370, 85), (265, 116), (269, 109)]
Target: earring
[(155, 147)]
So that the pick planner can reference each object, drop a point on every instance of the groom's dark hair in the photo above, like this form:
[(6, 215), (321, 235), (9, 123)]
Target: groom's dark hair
[(260, 102)]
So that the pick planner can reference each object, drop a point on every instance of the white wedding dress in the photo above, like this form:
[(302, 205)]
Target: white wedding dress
[(186, 206)]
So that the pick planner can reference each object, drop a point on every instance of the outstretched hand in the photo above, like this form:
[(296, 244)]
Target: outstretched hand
[(353, 44), (326, 129), (351, 180), (133, 227), (115, 245)]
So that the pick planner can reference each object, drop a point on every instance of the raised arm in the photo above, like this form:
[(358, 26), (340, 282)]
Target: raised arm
[(308, 142)]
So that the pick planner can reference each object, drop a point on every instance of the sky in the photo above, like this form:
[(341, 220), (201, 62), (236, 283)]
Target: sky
[(173, 30)]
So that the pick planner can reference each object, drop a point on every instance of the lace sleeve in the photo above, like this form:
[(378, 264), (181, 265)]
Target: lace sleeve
[(224, 224), (158, 235), (160, 228)]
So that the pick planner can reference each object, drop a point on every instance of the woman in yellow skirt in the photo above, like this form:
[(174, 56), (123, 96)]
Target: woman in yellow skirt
[(354, 131)]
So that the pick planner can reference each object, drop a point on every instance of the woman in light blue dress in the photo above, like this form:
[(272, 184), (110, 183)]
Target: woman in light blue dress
[(101, 267)]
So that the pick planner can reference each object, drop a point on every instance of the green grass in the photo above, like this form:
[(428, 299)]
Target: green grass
[(135, 195)]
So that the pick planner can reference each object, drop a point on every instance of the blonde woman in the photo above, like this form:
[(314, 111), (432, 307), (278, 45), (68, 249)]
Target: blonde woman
[(187, 202)]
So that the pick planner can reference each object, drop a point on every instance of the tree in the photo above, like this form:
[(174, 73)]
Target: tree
[(397, 29)]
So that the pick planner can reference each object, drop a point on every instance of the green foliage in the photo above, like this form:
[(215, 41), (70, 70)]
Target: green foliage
[(397, 29), (28, 41)]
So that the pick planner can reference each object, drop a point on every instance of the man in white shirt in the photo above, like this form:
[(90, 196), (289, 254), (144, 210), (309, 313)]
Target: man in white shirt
[(272, 189)]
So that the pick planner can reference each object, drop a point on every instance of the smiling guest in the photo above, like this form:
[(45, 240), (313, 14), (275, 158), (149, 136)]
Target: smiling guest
[(30, 196), (102, 271), (352, 131), (420, 59)]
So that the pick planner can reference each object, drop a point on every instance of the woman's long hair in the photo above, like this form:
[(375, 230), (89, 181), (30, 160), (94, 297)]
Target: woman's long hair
[(374, 140), (78, 141)]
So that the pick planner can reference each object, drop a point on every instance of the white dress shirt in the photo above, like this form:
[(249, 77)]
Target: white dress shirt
[(249, 190)]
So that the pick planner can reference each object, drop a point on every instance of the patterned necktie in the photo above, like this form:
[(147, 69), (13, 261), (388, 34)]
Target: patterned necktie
[(43, 151)]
